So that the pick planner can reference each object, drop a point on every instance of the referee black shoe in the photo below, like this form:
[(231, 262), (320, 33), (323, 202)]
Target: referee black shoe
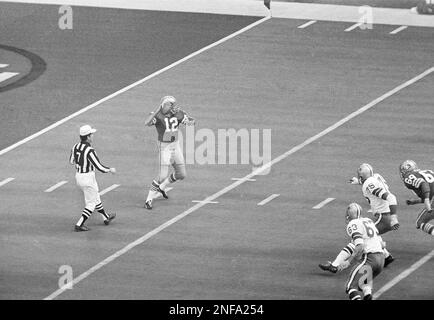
[(148, 205), (111, 217), (80, 228), (163, 193)]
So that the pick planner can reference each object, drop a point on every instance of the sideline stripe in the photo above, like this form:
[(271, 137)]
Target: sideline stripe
[(57, 185), (273, 196), (323, 203), (6, 181), (237, 183), (398, 29), (109, 189), (3, 65), (403, 275), (354, 26), (93, 105), (307, 24)]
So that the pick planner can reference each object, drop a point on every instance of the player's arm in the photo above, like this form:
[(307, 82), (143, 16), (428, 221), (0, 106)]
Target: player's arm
[(71, 156), (151, 120), (93, 158), (424, 198), (354, 231), (391, 199), (187, 120)]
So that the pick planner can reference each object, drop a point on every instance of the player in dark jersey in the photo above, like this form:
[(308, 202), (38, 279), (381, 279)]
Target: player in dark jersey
[(166, 120), (422, 184)]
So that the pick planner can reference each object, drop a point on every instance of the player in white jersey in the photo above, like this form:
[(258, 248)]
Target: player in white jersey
[(383, 202), (367, 249)]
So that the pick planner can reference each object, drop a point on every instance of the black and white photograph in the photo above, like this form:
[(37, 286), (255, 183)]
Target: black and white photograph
[(216, 155)]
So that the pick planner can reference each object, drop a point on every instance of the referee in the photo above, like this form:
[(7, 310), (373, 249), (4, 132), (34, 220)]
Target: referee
[(84, 157)]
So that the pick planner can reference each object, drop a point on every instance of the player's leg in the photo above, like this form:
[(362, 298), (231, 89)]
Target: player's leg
[(352, 286), (374, 266), (385, 222), (178, 164), (340, 263), (422, 221), (99, 207), (90, 195), (164, 166)]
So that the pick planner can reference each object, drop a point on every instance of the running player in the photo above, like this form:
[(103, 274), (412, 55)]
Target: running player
[(366, 249), (166, 120), (421, 182), (84, 157)]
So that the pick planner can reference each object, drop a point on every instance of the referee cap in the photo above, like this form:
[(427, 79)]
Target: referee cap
[(86, 129)]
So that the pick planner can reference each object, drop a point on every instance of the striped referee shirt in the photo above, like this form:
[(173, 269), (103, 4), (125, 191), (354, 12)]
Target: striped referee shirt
[(85, 159)]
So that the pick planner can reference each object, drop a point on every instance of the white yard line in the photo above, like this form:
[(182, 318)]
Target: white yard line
[(403, 275), (238, 179), (3, 65), (204, 201), (2, 183), (354, 26), (307, 24), (57, 185), (112, 187), (398, 29), (323, 203), (235, 184), (266, 200), (93, 105), (7, 75)]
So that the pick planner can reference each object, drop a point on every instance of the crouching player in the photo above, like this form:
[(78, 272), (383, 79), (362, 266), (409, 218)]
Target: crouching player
[(166, 120), (421, 182), (366, 249)]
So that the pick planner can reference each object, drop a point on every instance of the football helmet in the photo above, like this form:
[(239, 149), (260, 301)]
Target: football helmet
[(354, 211), (168, 104), (364, 172), (406, 166)]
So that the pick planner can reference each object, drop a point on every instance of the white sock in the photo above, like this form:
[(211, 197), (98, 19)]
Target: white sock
[(164, 184), (386, 253)]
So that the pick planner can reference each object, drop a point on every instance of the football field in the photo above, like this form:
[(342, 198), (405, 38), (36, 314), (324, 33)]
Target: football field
[(332, 97)]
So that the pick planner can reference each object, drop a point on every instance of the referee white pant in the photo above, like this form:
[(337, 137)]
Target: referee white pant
[(89, 186)]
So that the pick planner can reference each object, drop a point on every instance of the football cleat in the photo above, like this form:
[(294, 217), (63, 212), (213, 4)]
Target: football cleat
[(111, 217), (163, 193), (328, 267), (81, 228), (367, 297), (148, 205), (388, 260)]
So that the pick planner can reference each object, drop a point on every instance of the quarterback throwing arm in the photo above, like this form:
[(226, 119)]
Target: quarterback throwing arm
[(166, 120)]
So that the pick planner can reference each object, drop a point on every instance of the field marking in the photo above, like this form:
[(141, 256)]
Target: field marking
[(93, 105), (307, 24), (235, 184), (2, 65), (204, 201), (239, 179), (112, 187), (266, 200), (57, 185), (6, 181), (7, 75), (398, 29), (403, 274), (323, 203), (354, 26)]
